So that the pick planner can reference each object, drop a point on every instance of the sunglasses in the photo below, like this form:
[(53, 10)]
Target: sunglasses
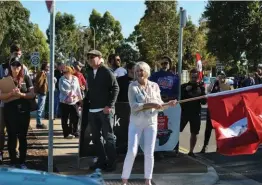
[(16, 64), (65, 72), (118, 59)]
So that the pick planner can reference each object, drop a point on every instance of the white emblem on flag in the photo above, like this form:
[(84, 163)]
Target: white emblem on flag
[(236, 129)]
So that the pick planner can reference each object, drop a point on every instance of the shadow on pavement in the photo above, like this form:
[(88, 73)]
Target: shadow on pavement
[(247, 165)]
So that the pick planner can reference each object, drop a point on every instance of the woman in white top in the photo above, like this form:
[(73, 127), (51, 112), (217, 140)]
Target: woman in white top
[(70, 99), (145, 102)]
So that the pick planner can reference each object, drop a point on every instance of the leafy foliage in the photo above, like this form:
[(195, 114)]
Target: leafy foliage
[(157, 32), (234, 28), (108, 32), (16, 28)]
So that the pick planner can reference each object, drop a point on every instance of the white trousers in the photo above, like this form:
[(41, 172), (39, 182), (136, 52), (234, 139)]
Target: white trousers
[(134, 135)]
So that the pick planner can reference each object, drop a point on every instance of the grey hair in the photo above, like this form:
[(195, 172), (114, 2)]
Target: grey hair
[(144, 66)]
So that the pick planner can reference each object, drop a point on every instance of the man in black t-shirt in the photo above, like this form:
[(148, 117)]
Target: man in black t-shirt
[(191, 111), (124, 82)]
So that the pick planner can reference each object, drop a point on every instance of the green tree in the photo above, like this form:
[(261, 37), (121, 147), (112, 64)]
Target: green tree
[(127, 52), (107, 32), (67, 36), (157, 32), (234, 28), (16, 27), (39, 43)]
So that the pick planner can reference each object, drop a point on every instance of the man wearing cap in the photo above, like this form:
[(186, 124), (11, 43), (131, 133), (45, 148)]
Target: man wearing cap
[(82, 81), (168, 84), (102, 93), (167, 81)]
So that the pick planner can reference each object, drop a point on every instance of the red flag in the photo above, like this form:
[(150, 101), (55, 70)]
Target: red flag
[(237, 119), (49, 4), (199, 67)]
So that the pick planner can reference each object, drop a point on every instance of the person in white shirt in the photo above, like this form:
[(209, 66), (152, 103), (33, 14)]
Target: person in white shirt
[(114, 63), (145, 102)]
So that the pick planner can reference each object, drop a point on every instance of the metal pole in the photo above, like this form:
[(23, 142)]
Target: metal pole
[(180, 52), (51, 89)]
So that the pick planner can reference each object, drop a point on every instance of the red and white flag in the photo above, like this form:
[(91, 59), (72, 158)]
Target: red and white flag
[(237, 119), (199, 67)]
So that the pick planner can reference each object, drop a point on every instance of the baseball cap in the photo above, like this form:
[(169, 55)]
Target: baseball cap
[(95, 52), (77, 63), (16, 60), (164, 58)]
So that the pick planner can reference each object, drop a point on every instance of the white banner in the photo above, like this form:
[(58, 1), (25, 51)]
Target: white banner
[(168, 129)]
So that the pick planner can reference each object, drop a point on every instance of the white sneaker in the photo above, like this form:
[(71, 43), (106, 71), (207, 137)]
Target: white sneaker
[(95, 159), (70, 136)]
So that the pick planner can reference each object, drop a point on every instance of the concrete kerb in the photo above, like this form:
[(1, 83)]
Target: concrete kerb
[(209, 178)]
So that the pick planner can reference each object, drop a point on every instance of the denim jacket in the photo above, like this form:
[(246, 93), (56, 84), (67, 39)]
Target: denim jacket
[(138, 97)]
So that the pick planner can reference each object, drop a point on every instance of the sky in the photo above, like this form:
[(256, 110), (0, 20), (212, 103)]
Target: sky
[(127, 12)]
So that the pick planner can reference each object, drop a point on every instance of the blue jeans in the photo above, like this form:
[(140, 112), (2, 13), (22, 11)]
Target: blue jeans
[(41, 107), (56, 104)]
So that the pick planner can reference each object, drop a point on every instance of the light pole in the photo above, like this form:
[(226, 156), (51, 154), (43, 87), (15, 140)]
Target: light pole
[(94, 34), (182, 24)]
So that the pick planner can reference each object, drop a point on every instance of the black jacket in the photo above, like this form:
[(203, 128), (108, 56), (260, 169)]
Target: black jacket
[(192, 107), (103, 89), (123, 83)]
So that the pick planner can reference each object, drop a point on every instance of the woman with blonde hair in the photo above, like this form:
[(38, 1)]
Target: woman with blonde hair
[(145, 102), (70, 100)]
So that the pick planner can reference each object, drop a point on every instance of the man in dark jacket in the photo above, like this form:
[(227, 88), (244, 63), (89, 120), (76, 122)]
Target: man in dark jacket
[(191, 111), (103, 90), (124, 82)]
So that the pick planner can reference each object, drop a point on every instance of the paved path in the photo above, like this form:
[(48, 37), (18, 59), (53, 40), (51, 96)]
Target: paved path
[(180, 170)]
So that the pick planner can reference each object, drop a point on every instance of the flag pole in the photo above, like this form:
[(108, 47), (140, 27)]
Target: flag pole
[(51, 88)]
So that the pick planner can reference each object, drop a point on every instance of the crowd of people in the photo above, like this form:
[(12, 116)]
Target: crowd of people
[(104, 84)]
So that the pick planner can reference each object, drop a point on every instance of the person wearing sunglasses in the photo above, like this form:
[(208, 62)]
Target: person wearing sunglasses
[(114, 62), (70, 99), (191, 111), (18, 105), (102, 94)]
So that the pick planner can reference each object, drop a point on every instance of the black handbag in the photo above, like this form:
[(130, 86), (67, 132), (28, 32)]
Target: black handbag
[(33, 105)]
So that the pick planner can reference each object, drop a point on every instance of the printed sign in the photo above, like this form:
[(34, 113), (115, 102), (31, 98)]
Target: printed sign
[(168, 129), (167, 136), (35, 58)]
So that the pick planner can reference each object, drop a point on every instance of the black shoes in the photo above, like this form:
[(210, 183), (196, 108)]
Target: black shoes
[(191, 154), (104, 166), (41, 126), (203, 149), (76, 134), (98, 165), (110, 167)]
